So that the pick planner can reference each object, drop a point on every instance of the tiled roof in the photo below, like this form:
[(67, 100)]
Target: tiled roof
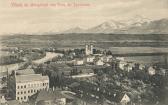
[(25, 71), (48, 95), (13, 102), (30, 77)]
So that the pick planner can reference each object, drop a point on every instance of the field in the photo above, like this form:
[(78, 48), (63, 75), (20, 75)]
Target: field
[(77, 40)]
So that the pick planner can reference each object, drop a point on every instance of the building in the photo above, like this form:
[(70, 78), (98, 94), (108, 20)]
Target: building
[(151, 71), (122, 98), (99, 62), (88, 49), (78, 62), (89, 59), (48, 97), (161, 71), (128, 67), (21, 87), (122, 64), (2, 99)]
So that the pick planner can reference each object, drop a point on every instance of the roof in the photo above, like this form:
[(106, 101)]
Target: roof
[(119, 96), (30, 77), (13, 102), (48, 95), (25, 71)]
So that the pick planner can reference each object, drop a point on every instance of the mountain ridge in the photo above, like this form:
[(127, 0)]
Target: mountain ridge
[(136, 26)]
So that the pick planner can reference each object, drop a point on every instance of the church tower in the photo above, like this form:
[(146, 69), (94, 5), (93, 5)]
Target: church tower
[(88, 49)]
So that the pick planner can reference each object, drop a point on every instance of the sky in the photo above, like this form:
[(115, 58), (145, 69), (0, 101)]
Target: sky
[(49, 19)]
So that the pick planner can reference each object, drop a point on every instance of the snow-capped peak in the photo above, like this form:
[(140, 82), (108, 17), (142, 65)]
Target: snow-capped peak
[(111, 24)]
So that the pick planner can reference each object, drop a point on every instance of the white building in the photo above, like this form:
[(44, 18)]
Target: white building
[(99, 62), (122, 98), (108, 58), (89, 59), (88, 49), (151, 71), (24, 86), (78, 62), (125, 99), (122, 65)]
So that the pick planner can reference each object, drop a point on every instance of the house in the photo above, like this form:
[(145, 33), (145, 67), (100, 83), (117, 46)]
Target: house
[(12, 102), (141, 66), (122, 98), (161, 71), (151, 71), (122, 65), (48, 97), (89, 59), (128, 67), (99, 62), (107, 58), (2, 99), (78, 62)]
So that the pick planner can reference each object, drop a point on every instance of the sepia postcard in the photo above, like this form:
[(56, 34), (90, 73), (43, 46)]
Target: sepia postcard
[(83, 52)]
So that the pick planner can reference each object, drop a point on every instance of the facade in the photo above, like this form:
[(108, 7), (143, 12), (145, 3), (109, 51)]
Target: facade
[(151, 71), (88, 49), (99, 62), (78, 62), (89, 59), (122, 65), (122, 98), (24, 86)]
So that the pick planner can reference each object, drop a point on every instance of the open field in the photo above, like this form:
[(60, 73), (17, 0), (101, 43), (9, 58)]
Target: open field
[(78, 40)]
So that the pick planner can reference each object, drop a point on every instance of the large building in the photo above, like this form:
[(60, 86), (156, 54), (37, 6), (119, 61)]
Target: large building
[(89, 49), (23, 86)]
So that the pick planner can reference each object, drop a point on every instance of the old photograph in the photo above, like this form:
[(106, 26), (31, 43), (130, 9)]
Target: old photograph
[(84, 52)]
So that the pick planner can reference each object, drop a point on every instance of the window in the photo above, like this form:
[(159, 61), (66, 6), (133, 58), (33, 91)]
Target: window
[(43, 84), (24, 86), (24, 92), (25, 97), (18, 87), (34, 90), (17, 98), (21, 87), (21, 98), (17, 92), (28, 91), (21, 92), (31, 91)]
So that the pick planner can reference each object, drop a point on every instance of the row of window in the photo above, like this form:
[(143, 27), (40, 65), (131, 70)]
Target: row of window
[(29, 91), (21, 98), (32, 85)]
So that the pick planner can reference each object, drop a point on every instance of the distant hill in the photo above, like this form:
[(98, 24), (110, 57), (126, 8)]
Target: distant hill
[(74, 30), (138, 25)]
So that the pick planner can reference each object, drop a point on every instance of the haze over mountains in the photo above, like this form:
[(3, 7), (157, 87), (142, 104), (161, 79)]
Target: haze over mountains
[(138, 25)]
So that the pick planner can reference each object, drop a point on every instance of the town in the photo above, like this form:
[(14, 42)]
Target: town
[(79, 76)]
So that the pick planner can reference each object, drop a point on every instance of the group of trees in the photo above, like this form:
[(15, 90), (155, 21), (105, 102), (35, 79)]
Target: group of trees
[(152, 89)]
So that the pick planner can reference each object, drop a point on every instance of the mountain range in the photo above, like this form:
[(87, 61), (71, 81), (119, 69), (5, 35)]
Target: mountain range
[(138, 25)]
